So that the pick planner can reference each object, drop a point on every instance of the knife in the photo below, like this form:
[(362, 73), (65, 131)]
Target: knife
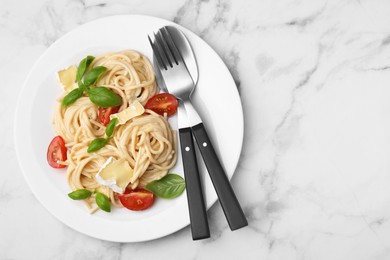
[(230, 205), (196, 206)]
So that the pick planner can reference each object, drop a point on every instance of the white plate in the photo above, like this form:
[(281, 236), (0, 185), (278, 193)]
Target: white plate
[(216, 99)]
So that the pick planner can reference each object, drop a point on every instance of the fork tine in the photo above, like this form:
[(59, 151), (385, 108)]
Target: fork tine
[(160, 43), (168, 52), (157, 54), (172, 45), (160, 50)]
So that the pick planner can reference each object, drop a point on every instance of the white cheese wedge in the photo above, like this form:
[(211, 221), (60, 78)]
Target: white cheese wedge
[(135, 109), (67, 78), (115, 175)]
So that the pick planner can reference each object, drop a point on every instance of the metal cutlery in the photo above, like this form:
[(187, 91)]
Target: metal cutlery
[(197, 209), (175, 58)]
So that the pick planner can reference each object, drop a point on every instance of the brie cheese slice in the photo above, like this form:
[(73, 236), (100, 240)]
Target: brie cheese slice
[(67, 78), (135, 109), (115, 175)]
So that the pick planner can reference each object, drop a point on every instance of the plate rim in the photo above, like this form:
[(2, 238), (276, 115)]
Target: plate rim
[(18, 112)]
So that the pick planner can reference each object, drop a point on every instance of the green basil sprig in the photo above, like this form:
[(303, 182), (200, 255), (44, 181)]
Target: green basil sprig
[(72, 96), (100, 96), (99, 143), (110, 127), (168, 187), (83, 66), (103, 97), (80, 194), (77, 93), (93, 75), (103, 202)]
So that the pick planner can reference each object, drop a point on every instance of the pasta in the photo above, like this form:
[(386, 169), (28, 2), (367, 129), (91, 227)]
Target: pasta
[(129, 73), (146, 142)]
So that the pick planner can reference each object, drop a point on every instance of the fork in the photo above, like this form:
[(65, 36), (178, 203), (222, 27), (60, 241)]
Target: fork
[(179, 82), (197, 209)]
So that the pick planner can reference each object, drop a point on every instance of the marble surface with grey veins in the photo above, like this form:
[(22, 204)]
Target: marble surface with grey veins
[(314, 173)]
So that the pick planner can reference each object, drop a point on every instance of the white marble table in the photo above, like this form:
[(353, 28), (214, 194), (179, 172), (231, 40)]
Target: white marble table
[(314, 175)]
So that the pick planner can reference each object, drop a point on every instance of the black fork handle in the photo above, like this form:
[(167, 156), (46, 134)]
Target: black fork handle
[(197, 208), (230, 205)]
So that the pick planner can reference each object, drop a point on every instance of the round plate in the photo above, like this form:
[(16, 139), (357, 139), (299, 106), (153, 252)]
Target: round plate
[(216, 99)]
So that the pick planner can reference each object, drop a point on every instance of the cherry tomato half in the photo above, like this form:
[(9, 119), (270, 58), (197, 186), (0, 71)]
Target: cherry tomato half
[(138, 199), (104, 114), (162, 103), (56, 152)]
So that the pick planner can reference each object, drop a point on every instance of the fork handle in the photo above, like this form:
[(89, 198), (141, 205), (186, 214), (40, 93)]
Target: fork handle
[(230, 205), (197, 209)]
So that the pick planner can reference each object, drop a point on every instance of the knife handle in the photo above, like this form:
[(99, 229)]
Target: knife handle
[(230, 205), (197, 209)]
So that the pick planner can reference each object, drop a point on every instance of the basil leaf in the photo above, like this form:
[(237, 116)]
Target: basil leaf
[(168, 187), (110, 127), (92, 76), (72, 96), (103, 202), (103, 97), (82, 86), (80, 194), (83, 66), (97, 144)]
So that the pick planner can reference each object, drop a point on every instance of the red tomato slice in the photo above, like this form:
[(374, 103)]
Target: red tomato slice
[(104, 114), (56, 152), (138, 199), (162, 103)]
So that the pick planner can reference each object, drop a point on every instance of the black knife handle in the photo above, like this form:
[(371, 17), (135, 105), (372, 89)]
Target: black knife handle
[(197, 209), (230, 205)]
